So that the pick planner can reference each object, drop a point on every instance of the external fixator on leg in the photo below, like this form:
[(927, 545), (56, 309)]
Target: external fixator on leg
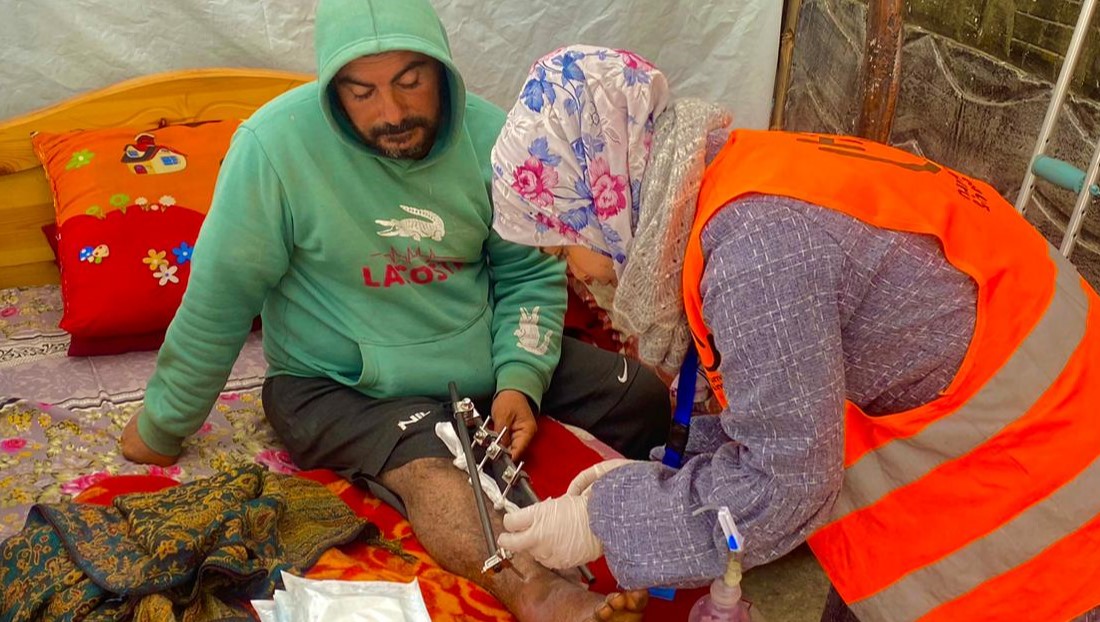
[(499, 459)]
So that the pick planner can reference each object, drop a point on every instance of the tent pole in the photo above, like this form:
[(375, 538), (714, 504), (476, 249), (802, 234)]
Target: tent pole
[(880, 76), (791, 12)]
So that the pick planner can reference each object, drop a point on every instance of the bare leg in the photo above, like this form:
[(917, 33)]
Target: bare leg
[(444, 517)]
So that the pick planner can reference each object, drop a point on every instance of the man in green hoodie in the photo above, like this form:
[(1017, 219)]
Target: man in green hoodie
[(353, 214)]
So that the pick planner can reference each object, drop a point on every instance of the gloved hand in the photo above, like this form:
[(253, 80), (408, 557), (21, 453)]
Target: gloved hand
[(555, 532), (584, 480)]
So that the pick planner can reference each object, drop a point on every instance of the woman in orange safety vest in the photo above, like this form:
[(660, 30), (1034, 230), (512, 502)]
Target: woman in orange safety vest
[(909, 372)]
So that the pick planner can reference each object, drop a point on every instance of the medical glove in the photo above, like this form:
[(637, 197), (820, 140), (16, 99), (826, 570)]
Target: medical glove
[(584, 480), (555, 532)]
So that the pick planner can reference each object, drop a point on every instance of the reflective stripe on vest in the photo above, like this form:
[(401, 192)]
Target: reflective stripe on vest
[(1005, 401), (976, 506), (1005, 398)]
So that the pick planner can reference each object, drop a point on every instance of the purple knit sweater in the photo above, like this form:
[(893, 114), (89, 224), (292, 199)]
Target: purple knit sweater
[(809, 307)]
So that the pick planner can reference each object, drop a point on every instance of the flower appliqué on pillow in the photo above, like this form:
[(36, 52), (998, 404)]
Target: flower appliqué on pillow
[(79, 159), (183, 253), (167, 274), (155, 259)]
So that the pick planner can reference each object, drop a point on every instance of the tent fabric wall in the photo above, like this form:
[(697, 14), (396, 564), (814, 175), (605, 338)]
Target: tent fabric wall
[(715, 49)]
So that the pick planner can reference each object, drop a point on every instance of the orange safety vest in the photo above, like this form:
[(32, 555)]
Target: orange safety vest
[(985, 503)]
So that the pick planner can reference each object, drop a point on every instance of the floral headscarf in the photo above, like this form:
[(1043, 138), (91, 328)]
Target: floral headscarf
[(568, 165)]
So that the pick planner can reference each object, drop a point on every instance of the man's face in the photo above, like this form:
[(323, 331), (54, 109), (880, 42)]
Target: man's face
[(393, 100)]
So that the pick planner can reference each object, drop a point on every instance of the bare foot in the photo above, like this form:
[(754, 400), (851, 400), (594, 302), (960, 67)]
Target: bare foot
[(622, 607), (560, 601)]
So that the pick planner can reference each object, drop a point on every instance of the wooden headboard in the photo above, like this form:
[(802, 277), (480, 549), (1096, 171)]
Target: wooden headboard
[(26, 203)]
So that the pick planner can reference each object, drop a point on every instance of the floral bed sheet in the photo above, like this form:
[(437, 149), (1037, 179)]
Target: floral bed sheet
[(61, 416)]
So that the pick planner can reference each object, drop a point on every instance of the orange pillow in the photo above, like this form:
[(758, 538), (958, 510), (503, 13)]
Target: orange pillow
[(129, 204)]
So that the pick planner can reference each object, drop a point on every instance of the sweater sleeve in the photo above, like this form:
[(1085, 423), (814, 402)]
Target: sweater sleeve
[(770, 296), (242, 251), (528, 315)]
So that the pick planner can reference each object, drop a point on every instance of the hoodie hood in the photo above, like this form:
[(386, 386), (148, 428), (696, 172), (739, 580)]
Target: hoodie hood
[(349, 29)]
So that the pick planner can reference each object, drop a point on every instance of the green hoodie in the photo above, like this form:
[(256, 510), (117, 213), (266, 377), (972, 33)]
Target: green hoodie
[(384, 275)]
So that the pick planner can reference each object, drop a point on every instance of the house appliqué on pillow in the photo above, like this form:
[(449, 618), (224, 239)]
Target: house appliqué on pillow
[(145, 157), (428, 224), (528, 332)]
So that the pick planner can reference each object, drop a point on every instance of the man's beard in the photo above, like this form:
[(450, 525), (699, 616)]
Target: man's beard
[(415, 151)]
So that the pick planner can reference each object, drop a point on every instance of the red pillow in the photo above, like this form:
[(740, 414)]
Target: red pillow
[(102, 346), (129, 204), (94, 346)]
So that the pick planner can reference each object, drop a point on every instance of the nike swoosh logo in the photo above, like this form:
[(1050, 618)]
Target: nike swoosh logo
[(622, 376)]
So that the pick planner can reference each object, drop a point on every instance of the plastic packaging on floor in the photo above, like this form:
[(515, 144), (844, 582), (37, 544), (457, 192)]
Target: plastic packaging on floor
[(309, 600)]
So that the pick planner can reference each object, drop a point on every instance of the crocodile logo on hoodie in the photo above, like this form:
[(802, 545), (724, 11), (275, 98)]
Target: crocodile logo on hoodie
[(427, 225)]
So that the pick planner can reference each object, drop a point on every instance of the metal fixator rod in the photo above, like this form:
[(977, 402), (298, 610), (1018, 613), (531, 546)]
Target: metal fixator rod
[(463, 410), (494, 449), (482, 434), (465, 415)]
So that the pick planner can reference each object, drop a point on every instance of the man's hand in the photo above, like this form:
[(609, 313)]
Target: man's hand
[(511, 409), (555, 532), (135, 450)]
